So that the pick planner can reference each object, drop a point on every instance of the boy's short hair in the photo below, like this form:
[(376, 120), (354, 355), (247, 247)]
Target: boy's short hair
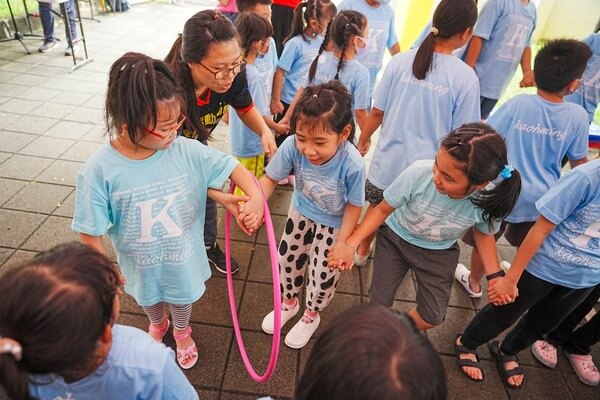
[(559, 62), (371, 353), (246, 5)]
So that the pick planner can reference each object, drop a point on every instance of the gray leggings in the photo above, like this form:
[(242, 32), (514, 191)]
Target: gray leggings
[(180, 313)]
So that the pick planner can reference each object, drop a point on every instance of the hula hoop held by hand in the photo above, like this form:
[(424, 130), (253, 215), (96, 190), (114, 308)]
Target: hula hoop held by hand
[(276, 294)]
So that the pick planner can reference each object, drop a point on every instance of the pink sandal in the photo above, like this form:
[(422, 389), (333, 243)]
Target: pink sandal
[(188, 357), (545, 353), (158, 331), (584, 368)]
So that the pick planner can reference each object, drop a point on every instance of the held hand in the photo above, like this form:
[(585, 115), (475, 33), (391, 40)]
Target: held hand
[(268, 143), (276, 107), (502, 291), (235, 204), (528, 80), (281, 129), (363, 146), (341, 256), (252, 215), (285, 120)]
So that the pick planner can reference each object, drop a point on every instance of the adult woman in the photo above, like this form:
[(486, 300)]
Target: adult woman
[(208, 61)]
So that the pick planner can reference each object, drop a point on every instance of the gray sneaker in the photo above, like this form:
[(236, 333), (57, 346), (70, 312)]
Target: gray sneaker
[(47, 46), (70, 50)]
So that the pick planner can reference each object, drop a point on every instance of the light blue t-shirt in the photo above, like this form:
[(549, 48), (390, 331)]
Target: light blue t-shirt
[(153, 211), (460, 52), (296, 58), (538, 134), (418, 113), (506, 27), (382, 34), (426, 218), (588, 95), (321, 192), (136, 367), (570, 255), (353, 74), (244, 142), (267, 65)]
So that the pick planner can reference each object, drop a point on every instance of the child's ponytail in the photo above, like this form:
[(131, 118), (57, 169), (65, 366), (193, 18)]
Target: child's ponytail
[(450, 17), (14, 379), (481, 152), (312, 71), (297, 27)]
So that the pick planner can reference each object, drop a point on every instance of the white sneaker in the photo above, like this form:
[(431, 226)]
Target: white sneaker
[(505, 265), (70, 50), (462, 275), (301, 333), (268, 323)]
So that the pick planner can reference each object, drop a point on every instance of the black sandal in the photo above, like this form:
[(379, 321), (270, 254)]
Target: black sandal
[(500, 359), (463, 362)]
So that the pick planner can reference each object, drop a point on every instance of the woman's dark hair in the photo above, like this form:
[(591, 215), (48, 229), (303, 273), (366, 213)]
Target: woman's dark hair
[(57, 307), (481, 154), (252, 28), (372, 353), (346, 24), (559, 62), (136, 83), (313, 10), (450, 17), (202, 30), (327, 106)]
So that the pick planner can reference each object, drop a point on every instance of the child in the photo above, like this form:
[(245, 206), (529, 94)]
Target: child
[(425, 214), (424, 93), (502, 40), (326, 203), (348, 32), (228, 8), (576, 343), (554, 270), (59, 340), (539, 130), (255, 32), (382, 34), (147, 189), (588, 95), (372, 353), (301, 47)]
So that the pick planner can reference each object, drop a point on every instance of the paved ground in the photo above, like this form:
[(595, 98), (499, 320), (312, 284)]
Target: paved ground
[(51, 122)]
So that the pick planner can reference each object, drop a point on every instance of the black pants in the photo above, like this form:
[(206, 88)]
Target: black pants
[(281, 19), (548, 304), (581, 340)]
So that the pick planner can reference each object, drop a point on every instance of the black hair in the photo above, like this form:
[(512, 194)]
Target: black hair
[(201, 31), (327, 106), (252, 28), (136, 84), (246, 5), (481, 154), (559, 62), (450, 17), (313, 10), (345, 24), (56, 306), (372, 353)]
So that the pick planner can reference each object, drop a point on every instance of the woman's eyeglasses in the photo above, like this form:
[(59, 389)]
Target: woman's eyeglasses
[(223, 74), (165, 133)]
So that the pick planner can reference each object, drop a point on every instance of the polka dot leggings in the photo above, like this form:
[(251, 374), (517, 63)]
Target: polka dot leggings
[(306, 243)]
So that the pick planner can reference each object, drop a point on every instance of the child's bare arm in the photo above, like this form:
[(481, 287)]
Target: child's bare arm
[(343, 252), (576, 163), (371, 124), (349, 221), (473, 51), (254, 206), (361, 118), (94, 242), (276, 104), (528, 77), (395, 49)]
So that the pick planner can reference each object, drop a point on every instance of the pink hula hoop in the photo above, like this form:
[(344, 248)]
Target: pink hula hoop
[(276, 294)]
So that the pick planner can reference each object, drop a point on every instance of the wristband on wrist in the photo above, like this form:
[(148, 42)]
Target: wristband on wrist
[(494, 275)]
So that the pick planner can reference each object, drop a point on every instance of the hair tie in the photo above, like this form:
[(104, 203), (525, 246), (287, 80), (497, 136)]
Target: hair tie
[(11, 346), (505, 173), (314, 95), (435, 31)]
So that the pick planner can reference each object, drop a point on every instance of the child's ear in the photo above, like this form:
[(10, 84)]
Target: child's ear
[(466, 34), (106, 336), (573, 86), (345, 132)]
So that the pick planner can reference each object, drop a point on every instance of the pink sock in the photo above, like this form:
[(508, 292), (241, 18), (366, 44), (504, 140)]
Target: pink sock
[(289, 303)]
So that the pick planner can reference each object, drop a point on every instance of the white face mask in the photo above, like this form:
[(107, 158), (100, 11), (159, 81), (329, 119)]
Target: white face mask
[(383, 1), (362, 51)]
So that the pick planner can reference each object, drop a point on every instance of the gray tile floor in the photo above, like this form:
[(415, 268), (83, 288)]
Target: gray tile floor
[(51, 122)]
